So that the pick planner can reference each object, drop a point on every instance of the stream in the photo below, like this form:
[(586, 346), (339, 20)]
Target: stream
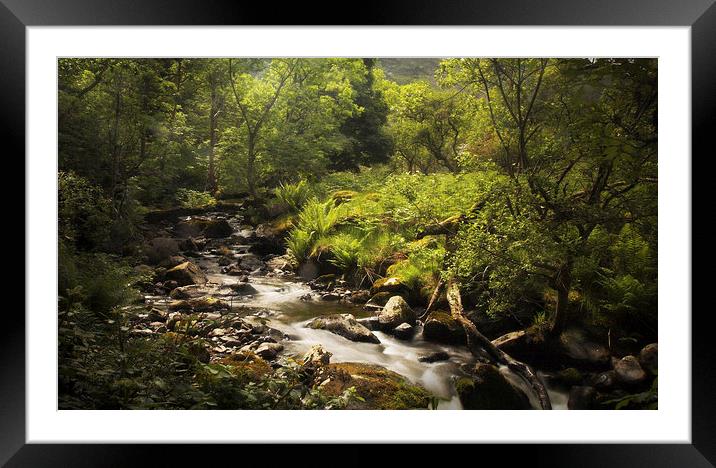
[(279, 300)]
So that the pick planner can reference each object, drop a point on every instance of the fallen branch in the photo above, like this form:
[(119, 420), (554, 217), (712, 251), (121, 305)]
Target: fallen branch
[(477, 341), (433, 298)]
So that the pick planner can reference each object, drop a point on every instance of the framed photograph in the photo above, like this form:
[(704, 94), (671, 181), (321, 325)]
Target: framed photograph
[(465, 223)]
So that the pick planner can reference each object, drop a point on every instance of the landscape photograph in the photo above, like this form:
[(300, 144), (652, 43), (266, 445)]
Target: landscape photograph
[(357, 233)]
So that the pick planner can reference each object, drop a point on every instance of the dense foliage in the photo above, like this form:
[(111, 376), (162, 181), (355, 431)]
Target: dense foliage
[(532, 182)]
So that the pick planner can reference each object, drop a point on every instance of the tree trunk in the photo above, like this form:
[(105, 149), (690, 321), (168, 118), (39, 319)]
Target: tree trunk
[(213, 117), (562, 284), (250, 176), (476, 341)]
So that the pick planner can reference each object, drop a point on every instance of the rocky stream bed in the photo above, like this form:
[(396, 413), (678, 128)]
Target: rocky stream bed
[(232, 284)]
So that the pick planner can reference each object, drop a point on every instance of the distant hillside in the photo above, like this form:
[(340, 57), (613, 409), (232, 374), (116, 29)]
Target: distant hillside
[(405, 70)]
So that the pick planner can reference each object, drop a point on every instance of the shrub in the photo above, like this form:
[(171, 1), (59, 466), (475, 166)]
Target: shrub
[(195, 199), (84, 213)]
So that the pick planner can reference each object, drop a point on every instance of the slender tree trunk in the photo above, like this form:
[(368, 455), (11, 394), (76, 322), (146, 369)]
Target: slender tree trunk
[(250, 170), (213, 118), (562, 284)]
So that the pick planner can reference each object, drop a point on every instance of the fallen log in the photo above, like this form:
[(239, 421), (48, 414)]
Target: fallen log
[(476, 341)]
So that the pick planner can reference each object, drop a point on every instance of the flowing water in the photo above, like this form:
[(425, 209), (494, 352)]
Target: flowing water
[(279, 297)]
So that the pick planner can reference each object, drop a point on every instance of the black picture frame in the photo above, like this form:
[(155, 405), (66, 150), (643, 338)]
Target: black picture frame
[(700, 15)]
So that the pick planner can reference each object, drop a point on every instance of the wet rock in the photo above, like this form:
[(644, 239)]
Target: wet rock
[(404, 331), (317, 356), (488, 389), (188, 245), (243, 289), (250, 262), (437, 356), (306, 297), (189, 291), (225, 260), (268, 351), (582, 350), (360, 297), (649, 358), (395, 312), (379, 388), (581, 398), (211, 228), (330, 297), (378, 301), (605, 380), (172, 261), (628, 370), (156, 315), (344, 325), (440, 327), (185, 274), (170, 285), (280, 263), (371, 323)]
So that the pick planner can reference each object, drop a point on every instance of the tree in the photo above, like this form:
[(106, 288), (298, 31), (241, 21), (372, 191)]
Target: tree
[(580, 153), (256, 98), (367, 142)]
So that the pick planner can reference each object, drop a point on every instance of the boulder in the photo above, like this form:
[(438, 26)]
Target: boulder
[(268, 351), (172, 261), (379, 388), (185, 274), (360, 297), (280, 263), (317, 356), (389, 285), (488, 389), (649, 358), (160, 249), (378, 301), (344, 325), (211, 228), (250, 262), (404, 331), (243, 289), (605, 380), (581, 398), (437, 356), (582, 350), (189, 291), (440, 327), (396, 312), (629, 371), (371, 323)]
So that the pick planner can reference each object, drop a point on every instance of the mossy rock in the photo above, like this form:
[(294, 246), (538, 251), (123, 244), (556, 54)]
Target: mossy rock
[(379, 300), (390, 285), (488, 389), (440, 327), (378, 386)]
